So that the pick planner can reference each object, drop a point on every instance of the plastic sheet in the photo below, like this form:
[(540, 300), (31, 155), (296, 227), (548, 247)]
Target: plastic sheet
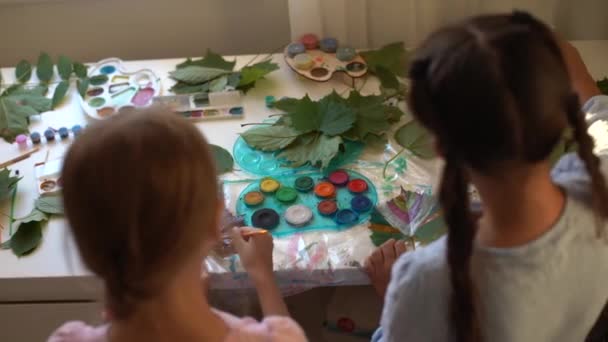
[(327, 258)]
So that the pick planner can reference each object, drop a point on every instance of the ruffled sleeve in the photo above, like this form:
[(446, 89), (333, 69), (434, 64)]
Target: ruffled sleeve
[(79, 332)]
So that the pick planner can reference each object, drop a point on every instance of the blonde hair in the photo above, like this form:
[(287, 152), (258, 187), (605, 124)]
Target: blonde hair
[(140, 194)]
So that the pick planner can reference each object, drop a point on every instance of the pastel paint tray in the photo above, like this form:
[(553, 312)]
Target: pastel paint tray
[(268, 164), (205, 106), (318, 65), (343, 198), (111, 88), (48, 176)]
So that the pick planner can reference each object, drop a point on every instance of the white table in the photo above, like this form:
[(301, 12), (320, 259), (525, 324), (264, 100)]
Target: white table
[(54, 272)]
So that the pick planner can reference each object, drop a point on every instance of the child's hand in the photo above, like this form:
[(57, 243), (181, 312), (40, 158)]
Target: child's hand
[(255, 252)]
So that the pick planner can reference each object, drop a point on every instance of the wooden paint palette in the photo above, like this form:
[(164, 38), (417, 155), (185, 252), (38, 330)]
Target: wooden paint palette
[(318, 65), (48, 176), (112, 88)]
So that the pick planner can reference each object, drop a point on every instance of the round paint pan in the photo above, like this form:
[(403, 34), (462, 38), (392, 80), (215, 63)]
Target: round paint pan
[(298, 215), (361, 203), (346, 217), (253, 198), (265, 218), (286, 194), (355, 67), (319, 72), (269, 185), (304, 184)]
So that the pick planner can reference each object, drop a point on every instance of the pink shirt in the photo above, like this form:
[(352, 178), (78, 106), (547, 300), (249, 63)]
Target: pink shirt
[(247, 329)]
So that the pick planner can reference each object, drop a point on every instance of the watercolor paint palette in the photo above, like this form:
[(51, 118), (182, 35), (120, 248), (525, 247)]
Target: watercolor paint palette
[(205, 106), (320, 60), (48, 176), (112, 87), (308, 202)]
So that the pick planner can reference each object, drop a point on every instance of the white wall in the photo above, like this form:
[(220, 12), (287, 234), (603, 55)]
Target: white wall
[(89, 30)]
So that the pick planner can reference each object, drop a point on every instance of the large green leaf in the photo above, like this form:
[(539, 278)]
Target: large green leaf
[(223, 159), (387, 79), (7, 183), (373, 117), (415, 138), (305, 115), (23, 71), (13, 118), (34, 215), (336, 117), (64, 67), (251, 74), (314, 148), (211, 60), (269, 138), (80, 70), (196, 74), (32, 97), (218, 84), (60, 91), (50, 204), (392, 57), (185, 88), (27, 238), (44, 68)]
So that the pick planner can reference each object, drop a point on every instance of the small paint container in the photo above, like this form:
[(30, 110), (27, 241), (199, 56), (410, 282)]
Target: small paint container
[(310, 41), (329, 45), (327, 207), (64, 133), (269, 185), (303, 61), (35, 138), (294, 49), (286, 194), (346, 216), (253, 198), (49, 134), (298, 215), (325, 190), (21, 140), (76, 129), (346, 54), (304, 184), (357, 186), (269, 100), (265, 218), (339, 178), (361, 203)]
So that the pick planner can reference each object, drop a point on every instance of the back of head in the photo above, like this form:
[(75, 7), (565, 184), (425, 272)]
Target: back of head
[(495, 92), (140, 195)]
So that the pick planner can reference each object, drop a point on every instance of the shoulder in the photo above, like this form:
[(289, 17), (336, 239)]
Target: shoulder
[(271, 329), (77, 331), (417, 296)]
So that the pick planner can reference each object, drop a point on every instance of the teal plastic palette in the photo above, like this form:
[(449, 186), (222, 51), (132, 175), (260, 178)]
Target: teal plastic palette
[(324, 206), (267, 164), (112, 87)]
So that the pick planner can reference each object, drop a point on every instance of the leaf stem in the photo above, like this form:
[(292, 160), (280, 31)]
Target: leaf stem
[(390, 161), (255, 124), (12, 212)]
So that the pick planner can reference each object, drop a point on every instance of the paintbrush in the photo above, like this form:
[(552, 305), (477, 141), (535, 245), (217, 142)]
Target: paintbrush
[(19, 158), (247, 234)]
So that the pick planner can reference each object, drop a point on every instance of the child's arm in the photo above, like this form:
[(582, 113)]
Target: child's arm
[(255, 252), (582, 81)]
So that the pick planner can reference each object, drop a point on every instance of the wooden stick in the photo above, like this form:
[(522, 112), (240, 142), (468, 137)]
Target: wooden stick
[(19, 158)]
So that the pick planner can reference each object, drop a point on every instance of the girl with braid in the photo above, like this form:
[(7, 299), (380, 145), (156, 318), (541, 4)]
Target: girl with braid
[(498, 92)]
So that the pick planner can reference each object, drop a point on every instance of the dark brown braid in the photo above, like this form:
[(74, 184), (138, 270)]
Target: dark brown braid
[(599, 194)]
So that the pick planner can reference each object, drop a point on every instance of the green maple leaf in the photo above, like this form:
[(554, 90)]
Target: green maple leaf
[(17, 104), (223, 159), (373, 117), (194, 74), (26, 238), (336, 117), (218, 84), (313, 148), (185, 88), (251, 74), (50, 204), (7, 183), (34, 215), (415, 138), (305, 115), (211, 60), (270, 138), (391, 57)]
